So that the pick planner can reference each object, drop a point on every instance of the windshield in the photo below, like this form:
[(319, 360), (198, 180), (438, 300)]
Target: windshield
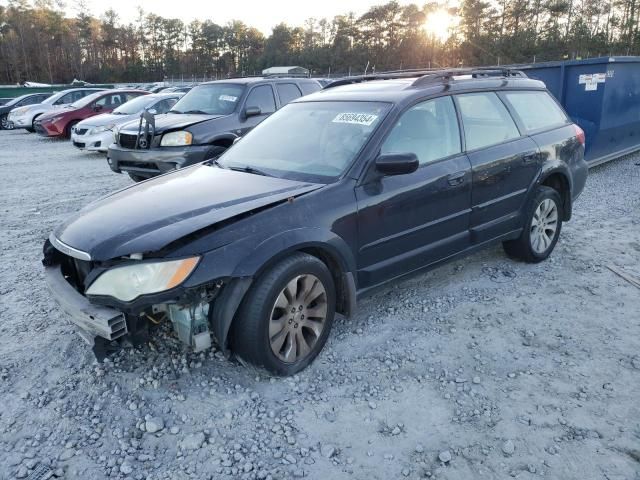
[(212, 99), (86, 100), (310, 141), (136, 105)]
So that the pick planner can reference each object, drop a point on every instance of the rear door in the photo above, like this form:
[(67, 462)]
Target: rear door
[(408, 221), (504, 164)]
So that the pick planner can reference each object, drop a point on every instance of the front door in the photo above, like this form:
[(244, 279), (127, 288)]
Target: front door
[(261, 97), (408, 221)]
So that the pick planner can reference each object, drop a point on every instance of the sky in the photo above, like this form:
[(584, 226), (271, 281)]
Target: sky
[(262, 14)]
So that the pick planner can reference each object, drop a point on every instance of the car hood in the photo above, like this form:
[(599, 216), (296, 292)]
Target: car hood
[(150, 215), (170, 121), (37, 108), (54, 112), (106, 119)]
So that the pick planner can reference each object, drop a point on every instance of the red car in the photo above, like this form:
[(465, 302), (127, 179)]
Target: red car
[(59, 122)]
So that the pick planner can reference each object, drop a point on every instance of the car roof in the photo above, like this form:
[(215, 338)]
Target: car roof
[(397, 87)]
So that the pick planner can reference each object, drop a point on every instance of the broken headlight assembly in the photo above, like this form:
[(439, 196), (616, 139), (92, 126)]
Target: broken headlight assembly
[(129, 282)]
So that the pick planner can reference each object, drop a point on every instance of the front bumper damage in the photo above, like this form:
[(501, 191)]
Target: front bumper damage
[(155, 161), (90, 320), (195, 313)]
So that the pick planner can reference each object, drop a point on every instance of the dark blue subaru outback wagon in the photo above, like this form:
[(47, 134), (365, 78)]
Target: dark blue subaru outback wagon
[(369, 180)]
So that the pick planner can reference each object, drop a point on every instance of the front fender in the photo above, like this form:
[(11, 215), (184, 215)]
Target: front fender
[(280, 245), (263, 255)]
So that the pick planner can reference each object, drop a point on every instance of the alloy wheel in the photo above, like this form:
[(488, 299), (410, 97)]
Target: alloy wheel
[(298, 318), (544, 226), (4, 121)]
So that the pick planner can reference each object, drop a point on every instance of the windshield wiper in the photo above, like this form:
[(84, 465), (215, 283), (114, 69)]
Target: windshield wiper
[(249, 169), (196, 111)]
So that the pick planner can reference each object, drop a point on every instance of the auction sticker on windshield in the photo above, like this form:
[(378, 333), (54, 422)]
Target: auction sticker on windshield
[(228, 98), (355, 118)]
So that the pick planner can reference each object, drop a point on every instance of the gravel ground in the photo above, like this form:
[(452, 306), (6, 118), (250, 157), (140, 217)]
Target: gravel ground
[(483, 368)]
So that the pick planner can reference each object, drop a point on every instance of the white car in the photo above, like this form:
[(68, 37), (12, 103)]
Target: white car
[(97, 133), (24, 117)]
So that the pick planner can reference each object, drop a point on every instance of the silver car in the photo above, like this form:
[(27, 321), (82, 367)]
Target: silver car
[(24, 117), (97, 133)]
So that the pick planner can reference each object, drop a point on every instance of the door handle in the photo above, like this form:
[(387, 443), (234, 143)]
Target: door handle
[(456, 178), (530, 157)]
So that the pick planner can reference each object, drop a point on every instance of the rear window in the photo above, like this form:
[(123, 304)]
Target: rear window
[(537, 110), (486, 120)]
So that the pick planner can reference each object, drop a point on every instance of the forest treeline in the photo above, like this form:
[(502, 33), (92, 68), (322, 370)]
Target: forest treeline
[(38, 42)]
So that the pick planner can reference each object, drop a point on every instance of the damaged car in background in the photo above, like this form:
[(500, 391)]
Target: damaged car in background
[(202, 125), (326, 200)]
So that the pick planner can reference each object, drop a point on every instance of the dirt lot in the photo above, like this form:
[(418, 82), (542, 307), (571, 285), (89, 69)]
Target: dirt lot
[(484, 368)]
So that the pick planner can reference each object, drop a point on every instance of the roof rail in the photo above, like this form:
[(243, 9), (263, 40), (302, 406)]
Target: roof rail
[(478, 72), (427, 76)]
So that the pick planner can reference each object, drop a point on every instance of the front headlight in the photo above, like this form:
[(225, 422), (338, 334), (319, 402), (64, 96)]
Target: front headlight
[(19, 111), (176, 139), (129, 282), (53, 119), (104, 128)]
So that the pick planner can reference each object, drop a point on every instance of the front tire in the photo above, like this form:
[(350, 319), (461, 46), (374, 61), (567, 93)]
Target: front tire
[(137, 178), (542, 227), (69, 128), (285, 319), (4, 122)]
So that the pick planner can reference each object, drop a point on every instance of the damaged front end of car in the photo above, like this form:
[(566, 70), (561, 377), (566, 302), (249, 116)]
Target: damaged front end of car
[(115, 301)]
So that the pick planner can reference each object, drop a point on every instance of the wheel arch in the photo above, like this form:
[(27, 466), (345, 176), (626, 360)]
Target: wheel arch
[(559, 180), (328, 248)]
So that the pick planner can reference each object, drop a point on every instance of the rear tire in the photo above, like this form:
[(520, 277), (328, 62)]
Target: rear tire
[(4, 122), (543, 223), (271, 330)]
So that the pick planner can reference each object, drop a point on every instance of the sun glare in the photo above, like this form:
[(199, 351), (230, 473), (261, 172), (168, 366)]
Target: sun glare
[(439, 24)]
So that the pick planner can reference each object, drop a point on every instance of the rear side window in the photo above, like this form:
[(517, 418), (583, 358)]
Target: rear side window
[(310, 87), (288, 92), (536, 110), (486, 120), (262, 97), (428, 129)]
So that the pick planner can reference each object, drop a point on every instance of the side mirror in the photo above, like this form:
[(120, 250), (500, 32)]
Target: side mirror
[(397, 163), (97, 108), (153, 111), (252, 112)]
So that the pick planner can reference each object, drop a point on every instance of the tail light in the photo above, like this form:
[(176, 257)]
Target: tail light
[(579, 134)]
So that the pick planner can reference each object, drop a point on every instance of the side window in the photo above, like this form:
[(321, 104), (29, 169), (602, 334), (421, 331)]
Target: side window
[(536, 110), (103, 101), (428, 129), (486, 120), (130, 96), (79, 94), (288, 92), (310, 87), (68, 98), (262, 97)]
